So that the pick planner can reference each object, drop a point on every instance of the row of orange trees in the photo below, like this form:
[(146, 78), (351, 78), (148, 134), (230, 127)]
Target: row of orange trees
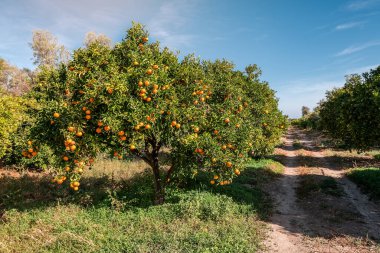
[(135, 98), (351, 114)]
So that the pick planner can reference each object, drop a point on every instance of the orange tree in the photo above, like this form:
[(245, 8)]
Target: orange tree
[(136, 98), (351, 114)]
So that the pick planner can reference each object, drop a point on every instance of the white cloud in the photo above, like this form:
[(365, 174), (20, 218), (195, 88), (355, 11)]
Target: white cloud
[(349, 25), (353, 49), (168, 23), (362, 4), (361, 70)]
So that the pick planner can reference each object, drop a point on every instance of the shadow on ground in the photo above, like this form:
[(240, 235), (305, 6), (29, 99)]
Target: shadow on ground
[(35, 191)]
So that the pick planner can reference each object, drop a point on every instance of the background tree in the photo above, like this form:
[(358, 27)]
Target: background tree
[(101, 39), (351, 114), (14, 80), (47, 51), (305, 111)]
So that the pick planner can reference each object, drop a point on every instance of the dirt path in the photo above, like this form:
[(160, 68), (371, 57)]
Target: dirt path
[(317, 208)]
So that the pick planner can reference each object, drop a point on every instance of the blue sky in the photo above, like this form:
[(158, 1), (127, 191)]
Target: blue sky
[(303, 47)]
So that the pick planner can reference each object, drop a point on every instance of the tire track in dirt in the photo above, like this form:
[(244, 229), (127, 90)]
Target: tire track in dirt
[(298, 225), (286, 216), (369, 211)]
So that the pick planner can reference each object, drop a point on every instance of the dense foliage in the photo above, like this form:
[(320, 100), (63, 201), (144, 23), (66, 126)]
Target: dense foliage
[(136, 98), (351, 114), (12, 114), (309, 121)]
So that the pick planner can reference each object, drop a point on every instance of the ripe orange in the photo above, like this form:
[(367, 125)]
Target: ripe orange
[(98, 130), (237, 172), (229, 164), (145, 39), (202, 99), (143, 91), (107, 128), (147, 126), (224, 147), (52, 122), (155, 66), (227, 120), (67, 169), (75, 188), (140, 83), (216, 177), (196, 130), (88, 112), (212, 182), (178, 125), (123, 138), (88, 117), (60, 181), (132, 147), (216, 132), (100, 123), (195, 102), (79, 134), (73, 148), (30, 150), (65, 158), (146, 83), (71, 129), (34, 153), (149, 71), (148, 99), (56, 115), (121, 133), (155, 91), (173, 123), (91, 100), (237, 125), (29, 143), (155, 87), (110, 90)]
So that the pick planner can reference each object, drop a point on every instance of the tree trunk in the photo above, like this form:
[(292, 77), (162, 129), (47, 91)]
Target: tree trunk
[(159, 191)]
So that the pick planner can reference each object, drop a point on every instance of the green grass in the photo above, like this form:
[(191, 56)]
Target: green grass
[(368, 179), (310, 184), (297, 144), (113, 212)]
